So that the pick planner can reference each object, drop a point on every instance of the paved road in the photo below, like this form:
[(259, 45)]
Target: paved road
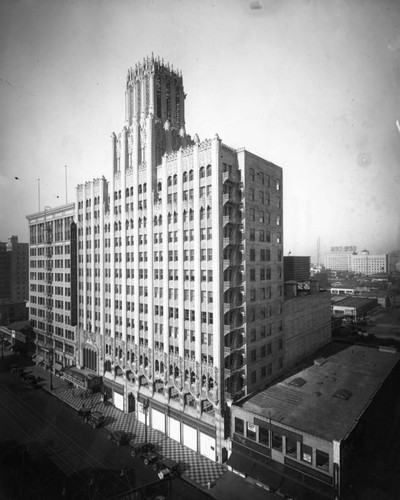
[(82, 461)]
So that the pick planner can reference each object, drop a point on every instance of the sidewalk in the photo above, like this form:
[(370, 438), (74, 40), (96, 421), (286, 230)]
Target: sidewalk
[(198, 470)]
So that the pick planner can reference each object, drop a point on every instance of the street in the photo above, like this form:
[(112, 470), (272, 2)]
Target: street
[(46, 451)]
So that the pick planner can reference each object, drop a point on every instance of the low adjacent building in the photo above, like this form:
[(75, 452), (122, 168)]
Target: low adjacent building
[(296, 437), (354, 307), (306, 320)]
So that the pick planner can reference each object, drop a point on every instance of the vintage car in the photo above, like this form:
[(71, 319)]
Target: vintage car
[(166, 468), (146, 451), (118, 437)]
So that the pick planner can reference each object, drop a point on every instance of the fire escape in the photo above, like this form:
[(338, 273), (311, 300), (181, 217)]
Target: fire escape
[(48, 249), (234, 333)]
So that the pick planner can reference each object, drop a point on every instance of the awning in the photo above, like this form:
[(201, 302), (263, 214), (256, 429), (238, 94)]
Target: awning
[(240, 463), (293, 489), (38, 359), (58, 366), (255, 470)]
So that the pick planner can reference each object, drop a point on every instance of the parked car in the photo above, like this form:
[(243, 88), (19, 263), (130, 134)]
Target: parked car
[(31, 379), (84, 415), (166, 468), (118, 437), (96, 419), (146, 451)]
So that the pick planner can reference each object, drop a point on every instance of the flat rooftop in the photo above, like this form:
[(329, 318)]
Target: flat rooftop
[(313, 405)]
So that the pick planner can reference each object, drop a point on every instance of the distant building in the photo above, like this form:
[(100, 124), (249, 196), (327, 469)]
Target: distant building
[(394, 262), (339, 258), (306, 321), (14, 280), (368, 265), (349, 260), (296, 268), (353, 306), (296, 437)]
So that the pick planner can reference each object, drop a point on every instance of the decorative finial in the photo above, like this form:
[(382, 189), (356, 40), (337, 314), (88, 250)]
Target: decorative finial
[(196, 139)]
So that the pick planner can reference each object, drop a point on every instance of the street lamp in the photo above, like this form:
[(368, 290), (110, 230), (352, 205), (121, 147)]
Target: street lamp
[(145, 409), (51, 367)]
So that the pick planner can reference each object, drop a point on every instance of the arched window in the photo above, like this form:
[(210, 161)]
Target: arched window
[(210, 383), (186, 375), (159, 186), (190, 175), (155, 220), (119, 194), (115, 226), (191, 214), (169, 217), (162, 367), (119, 225), (201, 213), (171, 370), (131, 191), (144, 221), (202, 173), (192, 377), (140, 222), (208, 169), (203, 381), (184, 216), (184, 177), (144, 188), (146, 362), (131, 223), (127, 192), (175, 180), (140, 189), (169, 181), (175, 217), (160, 220), (126, 224), (176, 372), (156, 365), (209, 212)]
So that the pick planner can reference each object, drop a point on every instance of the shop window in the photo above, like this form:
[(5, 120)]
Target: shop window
[(251, 432), (322, 460), (239, 426), (306, 453), (263, 436), (291, 447), (277, 441)]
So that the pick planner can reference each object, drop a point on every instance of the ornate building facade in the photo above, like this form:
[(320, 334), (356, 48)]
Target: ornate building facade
[(179, 269)]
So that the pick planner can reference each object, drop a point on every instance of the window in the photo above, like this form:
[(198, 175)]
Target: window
[(251, 431), (252, 255), (277, 441), (291, 447), (306, 453), (263, 436), (239, 426), (322, 459)]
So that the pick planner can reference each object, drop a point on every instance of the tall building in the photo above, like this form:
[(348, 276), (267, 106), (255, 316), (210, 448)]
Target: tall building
[(180, 270), (296, 268), (52, 284), (14, 280)]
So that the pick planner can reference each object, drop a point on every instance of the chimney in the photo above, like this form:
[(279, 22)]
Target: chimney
[(290, 288), (314, 286)]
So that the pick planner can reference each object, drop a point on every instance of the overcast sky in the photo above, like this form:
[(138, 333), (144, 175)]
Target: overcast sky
[(311, 85)]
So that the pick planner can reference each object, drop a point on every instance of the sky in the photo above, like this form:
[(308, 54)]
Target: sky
[(311, 85)]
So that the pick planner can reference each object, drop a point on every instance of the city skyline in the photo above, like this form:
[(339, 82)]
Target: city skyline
[(312, 88)]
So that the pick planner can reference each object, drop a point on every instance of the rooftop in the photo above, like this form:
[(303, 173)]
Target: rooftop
[(349, 301), (327, 398)]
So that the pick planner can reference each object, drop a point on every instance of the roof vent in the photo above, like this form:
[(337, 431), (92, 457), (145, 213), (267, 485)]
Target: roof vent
[(343, 394), (297, 382), (319, 361)]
